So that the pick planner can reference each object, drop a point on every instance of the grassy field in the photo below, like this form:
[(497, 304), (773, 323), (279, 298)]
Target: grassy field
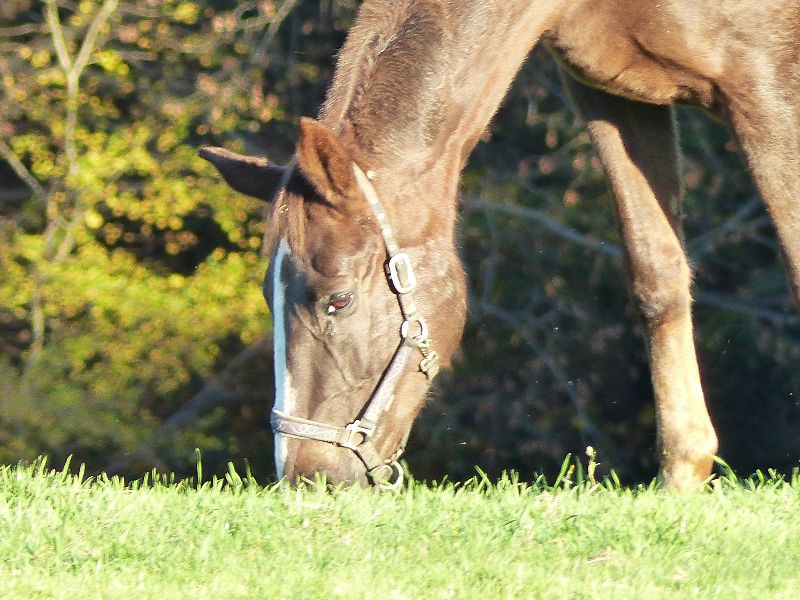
[(66, 536)]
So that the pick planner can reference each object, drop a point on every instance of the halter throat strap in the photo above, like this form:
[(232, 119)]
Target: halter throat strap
[(357, 435)]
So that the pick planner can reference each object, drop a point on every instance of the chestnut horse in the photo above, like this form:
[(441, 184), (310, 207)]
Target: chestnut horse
[(365, 285)]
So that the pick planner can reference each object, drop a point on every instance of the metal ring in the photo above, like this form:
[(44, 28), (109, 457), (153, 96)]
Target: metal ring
[(423, 327), (395, 480)]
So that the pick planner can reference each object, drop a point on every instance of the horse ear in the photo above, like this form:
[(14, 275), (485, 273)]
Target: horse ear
[(325, 162), (251, 175)]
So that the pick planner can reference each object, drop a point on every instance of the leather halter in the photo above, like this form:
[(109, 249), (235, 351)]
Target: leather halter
[(357, 435)]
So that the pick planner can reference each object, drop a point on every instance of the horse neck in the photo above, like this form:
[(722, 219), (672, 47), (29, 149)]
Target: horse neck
[(504, 35), (476, 48)]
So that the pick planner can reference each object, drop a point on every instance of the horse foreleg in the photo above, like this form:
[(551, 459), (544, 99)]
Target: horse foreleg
[(636, 143), (768, 130)]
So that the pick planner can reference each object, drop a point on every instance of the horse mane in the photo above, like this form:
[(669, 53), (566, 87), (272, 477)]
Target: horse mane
[(387, 96), (285, 218), (386, 101)]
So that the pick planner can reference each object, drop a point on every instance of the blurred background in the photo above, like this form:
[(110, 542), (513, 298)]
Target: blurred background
[(132, 328)]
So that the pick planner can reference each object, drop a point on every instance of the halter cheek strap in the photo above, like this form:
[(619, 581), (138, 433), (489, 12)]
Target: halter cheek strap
[(356, 436)]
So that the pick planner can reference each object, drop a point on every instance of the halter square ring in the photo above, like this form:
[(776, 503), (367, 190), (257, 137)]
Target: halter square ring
[(355, 435), (402, 258)]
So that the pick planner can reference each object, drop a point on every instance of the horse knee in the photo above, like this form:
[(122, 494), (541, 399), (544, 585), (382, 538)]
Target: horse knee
[(661, 291)]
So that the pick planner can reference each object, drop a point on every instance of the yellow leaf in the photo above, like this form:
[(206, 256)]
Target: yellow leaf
[(93, 219), (187, 12), (40, 59)]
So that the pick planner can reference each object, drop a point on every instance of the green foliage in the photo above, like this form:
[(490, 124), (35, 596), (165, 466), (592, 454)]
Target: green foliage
[(128, 270)]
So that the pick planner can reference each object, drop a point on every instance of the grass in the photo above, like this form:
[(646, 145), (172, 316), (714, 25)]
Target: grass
[(67, 536)]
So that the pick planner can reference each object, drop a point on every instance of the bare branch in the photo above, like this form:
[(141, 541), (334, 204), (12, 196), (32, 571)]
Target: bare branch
[(701, 245), (68, 242), (7, 154), (518, 323), (274, 26), (489, 264), (706, 242), (136, 9), (57, 33), (20, 30), (91, 35), (547, 222), (73, 69), (38, 323), (776, 318)]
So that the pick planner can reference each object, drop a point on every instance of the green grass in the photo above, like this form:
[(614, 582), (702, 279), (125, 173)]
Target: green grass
[(66, 536)]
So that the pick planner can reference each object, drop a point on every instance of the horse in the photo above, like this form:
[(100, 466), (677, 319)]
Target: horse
[(365, 285)]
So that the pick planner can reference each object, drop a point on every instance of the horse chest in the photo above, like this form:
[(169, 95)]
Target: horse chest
[(644, 56)]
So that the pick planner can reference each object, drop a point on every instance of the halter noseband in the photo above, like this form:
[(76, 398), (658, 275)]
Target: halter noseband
[(357, 436)]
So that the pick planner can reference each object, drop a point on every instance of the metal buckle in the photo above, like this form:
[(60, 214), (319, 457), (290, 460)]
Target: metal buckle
[(354, 430), (402, 258), (423, 330), (390, 481)]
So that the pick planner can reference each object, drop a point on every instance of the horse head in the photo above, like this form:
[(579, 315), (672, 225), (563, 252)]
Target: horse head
[(366, 304)]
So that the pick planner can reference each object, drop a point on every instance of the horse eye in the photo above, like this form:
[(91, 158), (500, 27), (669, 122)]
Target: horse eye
[(339, 302)]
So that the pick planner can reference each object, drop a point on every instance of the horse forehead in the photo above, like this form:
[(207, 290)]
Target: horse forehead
[(295, 281), (335, 252), (331, 262)]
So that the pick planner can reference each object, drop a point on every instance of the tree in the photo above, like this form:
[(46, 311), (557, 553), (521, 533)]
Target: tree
[(131, 324)]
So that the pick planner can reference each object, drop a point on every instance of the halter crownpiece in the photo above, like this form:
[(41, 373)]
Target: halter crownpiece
[(356, 436)]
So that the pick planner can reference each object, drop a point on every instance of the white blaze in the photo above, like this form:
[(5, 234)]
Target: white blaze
[(284, 400)]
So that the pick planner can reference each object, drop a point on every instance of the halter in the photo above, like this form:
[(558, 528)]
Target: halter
[(357, 435)]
